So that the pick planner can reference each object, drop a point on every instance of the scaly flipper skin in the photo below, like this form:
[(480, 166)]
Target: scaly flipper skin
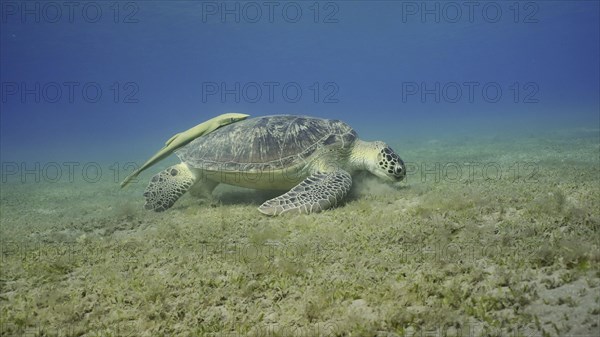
[(320, 191), (167, 186), (184, 138)]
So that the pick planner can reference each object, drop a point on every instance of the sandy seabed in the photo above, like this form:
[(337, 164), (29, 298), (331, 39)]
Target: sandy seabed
[(486, 237)]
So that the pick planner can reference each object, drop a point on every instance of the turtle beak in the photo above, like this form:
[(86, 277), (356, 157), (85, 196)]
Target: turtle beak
[(400, 170)]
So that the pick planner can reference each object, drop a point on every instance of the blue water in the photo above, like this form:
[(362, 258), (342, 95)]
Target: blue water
[(394, 70)]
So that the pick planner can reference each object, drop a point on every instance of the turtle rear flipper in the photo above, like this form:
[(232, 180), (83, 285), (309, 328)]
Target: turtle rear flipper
[(320, 191), (167, 186)]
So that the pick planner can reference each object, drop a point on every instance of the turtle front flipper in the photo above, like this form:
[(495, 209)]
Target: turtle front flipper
[(167, 186), (320, 191)]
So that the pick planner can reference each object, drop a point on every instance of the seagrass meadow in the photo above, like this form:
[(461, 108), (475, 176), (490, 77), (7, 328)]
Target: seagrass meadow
[(489, 236)]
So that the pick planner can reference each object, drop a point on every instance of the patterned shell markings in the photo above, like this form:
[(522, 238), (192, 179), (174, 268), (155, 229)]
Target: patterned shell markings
[(270, 141)]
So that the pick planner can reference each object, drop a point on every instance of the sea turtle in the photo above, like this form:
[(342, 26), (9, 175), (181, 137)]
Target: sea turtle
[(310, 158)]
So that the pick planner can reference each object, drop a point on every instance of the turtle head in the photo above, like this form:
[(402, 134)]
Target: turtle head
[(389, 165), (378, 158)]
